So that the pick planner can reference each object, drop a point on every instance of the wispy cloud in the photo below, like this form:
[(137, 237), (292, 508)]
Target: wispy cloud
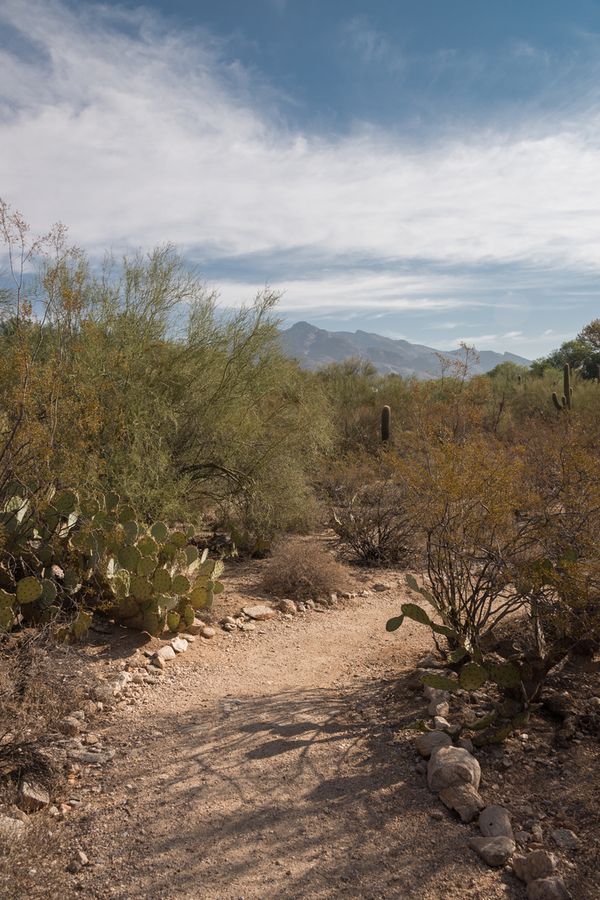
[(370, 45), (134, 133)]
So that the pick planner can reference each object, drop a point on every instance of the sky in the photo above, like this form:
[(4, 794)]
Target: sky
[(428, 171)]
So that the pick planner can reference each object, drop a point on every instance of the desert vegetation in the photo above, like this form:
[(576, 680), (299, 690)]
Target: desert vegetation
[(146, 436)]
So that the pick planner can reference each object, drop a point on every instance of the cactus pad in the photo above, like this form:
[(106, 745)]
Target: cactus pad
[(28, 590)]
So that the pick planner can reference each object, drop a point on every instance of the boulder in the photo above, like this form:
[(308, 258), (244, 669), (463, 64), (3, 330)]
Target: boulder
[(259, 613), (548, 889), (494, 821), (463, 799), (538, 864), (432, 741), (495, 851), (450, 766)]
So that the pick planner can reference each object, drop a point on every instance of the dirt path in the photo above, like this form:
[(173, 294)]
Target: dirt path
[(277, 765)]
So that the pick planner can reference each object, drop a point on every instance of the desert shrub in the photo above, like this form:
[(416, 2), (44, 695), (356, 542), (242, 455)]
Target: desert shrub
[(371, 509), (303, 570)]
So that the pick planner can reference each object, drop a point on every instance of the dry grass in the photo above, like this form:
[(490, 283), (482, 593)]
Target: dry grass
[(35, 692), (303, 570)]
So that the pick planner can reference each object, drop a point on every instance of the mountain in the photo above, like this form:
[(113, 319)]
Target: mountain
[(314, 347)]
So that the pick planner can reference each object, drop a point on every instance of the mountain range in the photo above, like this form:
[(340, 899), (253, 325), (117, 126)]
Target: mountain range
[(315, 347)]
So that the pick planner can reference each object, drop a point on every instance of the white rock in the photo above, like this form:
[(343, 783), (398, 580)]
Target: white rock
[(494, 821), (463, 799), (260, 613), (432, 741), (495, 851), (165, 653), (208, 632), (450, 766), (179, 645)]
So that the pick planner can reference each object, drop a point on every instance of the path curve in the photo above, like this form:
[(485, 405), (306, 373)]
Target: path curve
[(278, 765)]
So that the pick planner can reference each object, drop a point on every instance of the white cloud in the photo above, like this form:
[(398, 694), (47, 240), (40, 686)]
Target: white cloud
[(134, 134), (367, 291)]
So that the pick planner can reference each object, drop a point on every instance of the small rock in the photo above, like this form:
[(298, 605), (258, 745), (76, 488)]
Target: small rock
[(464, 799), (538, 864), (537, 833), (565, 838), (431, 741), (548, 889), (379, 586), (190, 638), (436, 708), (287, 606), (208, 632), (228, 620), (437, 814), (450, 766), (92, 738), (179, 645), (466, 744), (89, 757), (165, 653), (260, 613), (121, 682), (33, 796), (10, 828), (522, 837), (229, 627), (432, 693), (69, 726), (104, 693), (494, 821), (495, 851), (441, 724)]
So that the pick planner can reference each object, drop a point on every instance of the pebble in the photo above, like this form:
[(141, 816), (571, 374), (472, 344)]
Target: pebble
[(208, 632)]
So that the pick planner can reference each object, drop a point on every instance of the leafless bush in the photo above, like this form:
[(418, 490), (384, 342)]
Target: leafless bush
[(303, 570), (374, 523)]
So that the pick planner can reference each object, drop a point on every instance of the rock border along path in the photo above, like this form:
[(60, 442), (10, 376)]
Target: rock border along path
[(272, 763)]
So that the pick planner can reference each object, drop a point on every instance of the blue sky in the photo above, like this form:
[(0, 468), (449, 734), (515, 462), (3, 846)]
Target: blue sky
[(425, 170)]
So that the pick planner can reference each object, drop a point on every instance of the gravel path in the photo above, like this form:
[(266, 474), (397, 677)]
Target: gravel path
[(277, 764)]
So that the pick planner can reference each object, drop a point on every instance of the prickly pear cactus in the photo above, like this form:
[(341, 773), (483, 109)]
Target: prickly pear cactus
[(66, 556)]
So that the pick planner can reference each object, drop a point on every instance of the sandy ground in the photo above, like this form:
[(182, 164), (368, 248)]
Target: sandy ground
[(277, 764)]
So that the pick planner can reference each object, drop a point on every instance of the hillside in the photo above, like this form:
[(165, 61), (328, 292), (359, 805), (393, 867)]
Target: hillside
[(315, 347)]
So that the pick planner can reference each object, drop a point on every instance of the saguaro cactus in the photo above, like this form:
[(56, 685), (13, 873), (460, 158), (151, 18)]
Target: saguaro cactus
[(566, 400), (386, 421)]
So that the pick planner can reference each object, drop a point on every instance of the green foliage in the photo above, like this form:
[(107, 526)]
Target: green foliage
[(59, 564)]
